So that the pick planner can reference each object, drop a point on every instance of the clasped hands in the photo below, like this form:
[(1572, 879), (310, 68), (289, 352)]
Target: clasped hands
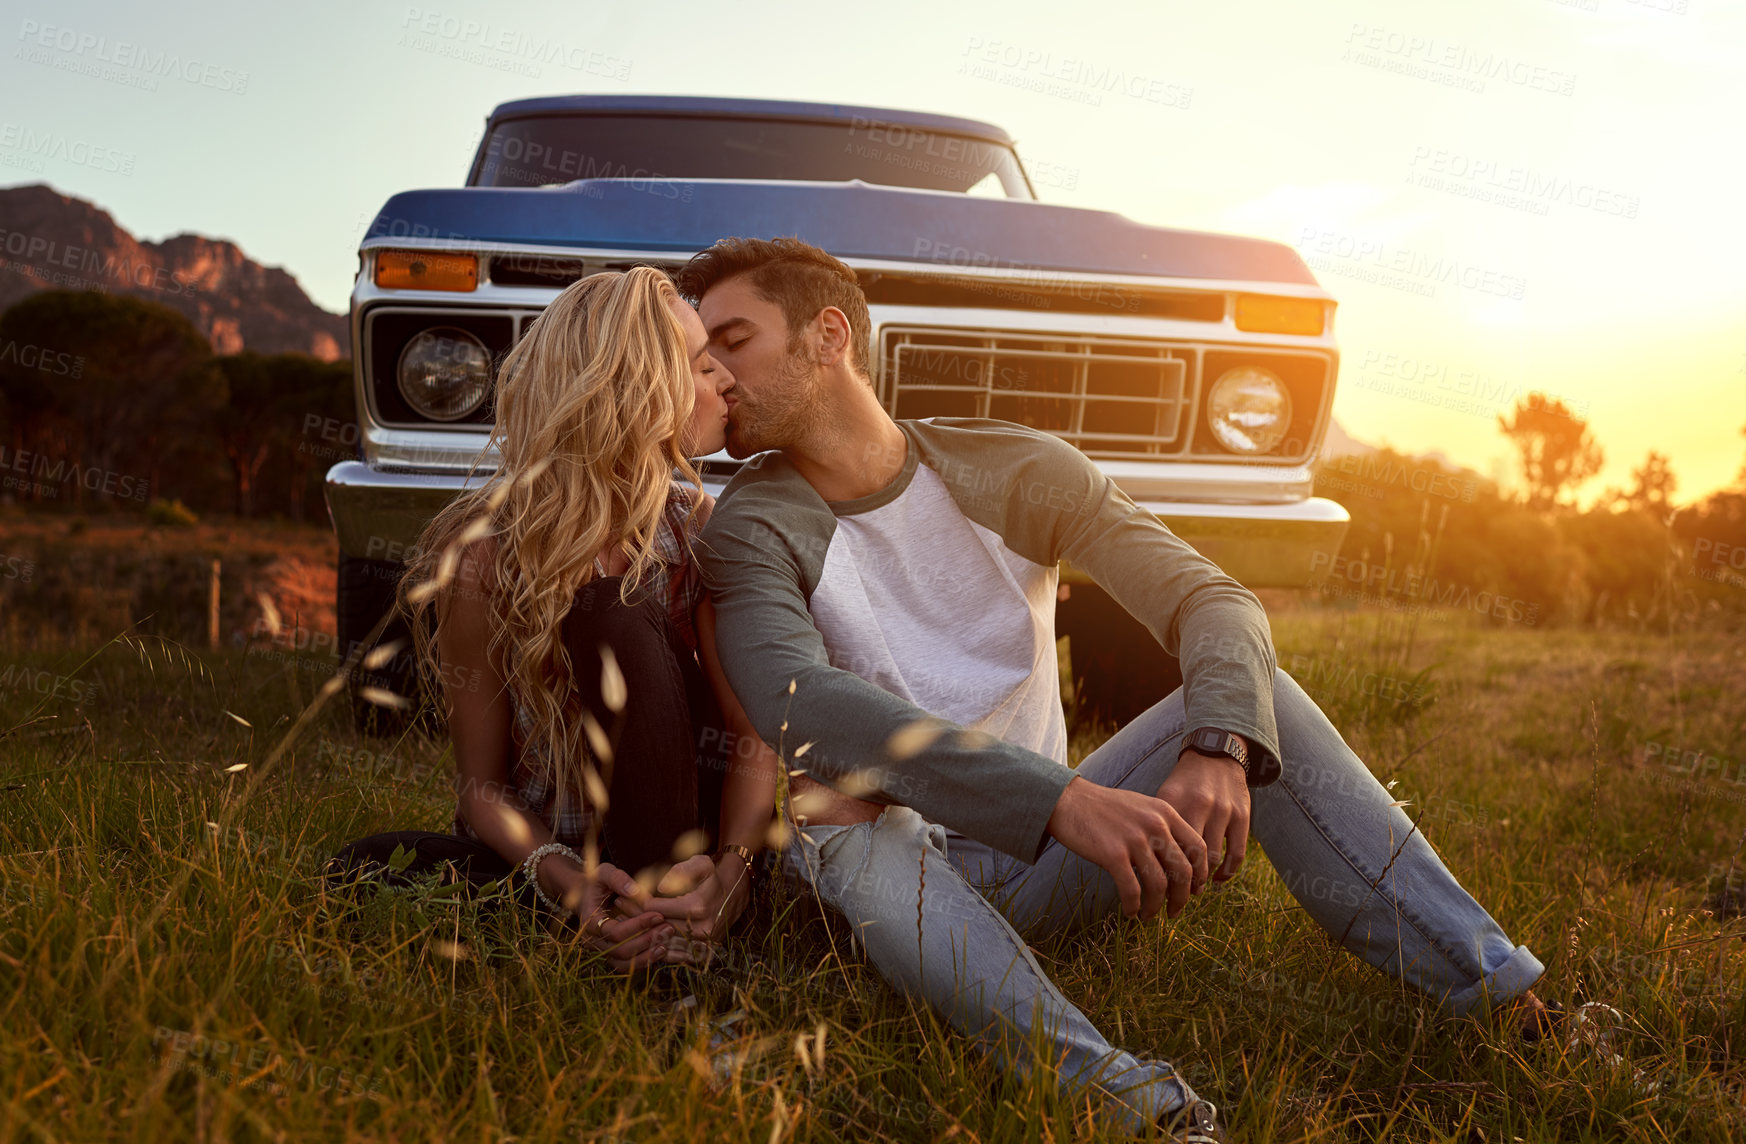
[(694, 904), (1158, 848)]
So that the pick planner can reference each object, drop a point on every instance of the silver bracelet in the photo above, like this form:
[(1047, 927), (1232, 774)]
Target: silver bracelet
[(531, 864)]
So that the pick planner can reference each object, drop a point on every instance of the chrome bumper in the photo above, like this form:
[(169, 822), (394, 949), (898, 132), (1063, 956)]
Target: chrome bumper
[(379, 513), (1259, 545)]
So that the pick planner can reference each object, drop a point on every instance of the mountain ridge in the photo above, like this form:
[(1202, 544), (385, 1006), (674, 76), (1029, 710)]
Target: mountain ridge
[(50, 240)]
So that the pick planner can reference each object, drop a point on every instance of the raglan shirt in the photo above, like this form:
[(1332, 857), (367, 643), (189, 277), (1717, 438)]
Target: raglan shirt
[(906, 639)]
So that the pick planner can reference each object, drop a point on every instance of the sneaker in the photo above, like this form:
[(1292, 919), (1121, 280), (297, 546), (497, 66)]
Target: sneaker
[(1589, 1030), (1196, 1123)]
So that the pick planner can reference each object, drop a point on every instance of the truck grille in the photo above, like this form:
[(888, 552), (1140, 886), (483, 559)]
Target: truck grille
[(1111, 397)]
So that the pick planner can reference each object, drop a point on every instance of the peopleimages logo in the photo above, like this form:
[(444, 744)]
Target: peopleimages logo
[(1327, 249), (534, 159), (38, 39), (1388, 584), (1490, 180), (1429, 57), (1080, 80), (1478, 391), (57, 362), (1696, 763), (1312, 672), (1380, 471), (258, 1063), (33, 252), (53, 145), (59, 471), (39, 682), (502, 48)]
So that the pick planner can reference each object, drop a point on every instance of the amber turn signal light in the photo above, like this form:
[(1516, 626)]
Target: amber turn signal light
[(1265, 314), (426, 270)]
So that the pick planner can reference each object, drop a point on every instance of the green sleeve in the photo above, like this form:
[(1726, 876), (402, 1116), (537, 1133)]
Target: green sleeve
[(1212, 624)]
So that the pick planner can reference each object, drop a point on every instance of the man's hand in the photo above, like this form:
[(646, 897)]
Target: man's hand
[(715, 893), (823, 805), (1211, 795), (1146, 846)]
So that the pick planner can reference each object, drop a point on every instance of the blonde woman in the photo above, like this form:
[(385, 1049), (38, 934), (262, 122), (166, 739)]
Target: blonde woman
[(595, 736)]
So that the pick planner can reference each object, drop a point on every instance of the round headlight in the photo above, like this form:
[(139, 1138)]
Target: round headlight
[(444, 373), (1249, 410)]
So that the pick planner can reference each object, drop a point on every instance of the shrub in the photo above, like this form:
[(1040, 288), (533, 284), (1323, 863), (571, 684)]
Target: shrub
[(170, 513)]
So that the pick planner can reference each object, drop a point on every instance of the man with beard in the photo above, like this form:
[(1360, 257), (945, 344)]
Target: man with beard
[(887, 589)]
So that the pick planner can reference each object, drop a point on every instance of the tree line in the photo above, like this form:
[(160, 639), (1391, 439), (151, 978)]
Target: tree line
[(1431, 536), (108, 400)]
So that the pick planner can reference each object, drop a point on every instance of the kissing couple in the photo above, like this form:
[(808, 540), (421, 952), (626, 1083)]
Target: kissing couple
[(876, 598)]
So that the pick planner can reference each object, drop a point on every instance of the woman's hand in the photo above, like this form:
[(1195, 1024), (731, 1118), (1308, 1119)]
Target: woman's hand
[(712, 894), (629, 935)]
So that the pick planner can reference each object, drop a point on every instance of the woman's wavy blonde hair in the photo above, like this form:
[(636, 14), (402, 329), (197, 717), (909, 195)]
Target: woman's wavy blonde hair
[(592, 407)]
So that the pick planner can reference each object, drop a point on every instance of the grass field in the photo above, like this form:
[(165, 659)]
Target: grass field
[(170, 969)]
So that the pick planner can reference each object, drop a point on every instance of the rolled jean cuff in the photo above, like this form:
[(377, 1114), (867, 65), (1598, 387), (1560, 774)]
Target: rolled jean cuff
[(1513, 977), (1138, 1105)]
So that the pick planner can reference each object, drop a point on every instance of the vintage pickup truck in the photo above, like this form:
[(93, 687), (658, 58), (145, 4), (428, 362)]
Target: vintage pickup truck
[(1197, 369)]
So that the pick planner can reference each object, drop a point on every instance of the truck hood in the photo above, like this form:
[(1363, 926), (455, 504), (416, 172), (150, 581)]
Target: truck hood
[(851, 220)]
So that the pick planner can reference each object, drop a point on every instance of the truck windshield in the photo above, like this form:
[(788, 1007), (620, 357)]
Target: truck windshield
[(547, 150)]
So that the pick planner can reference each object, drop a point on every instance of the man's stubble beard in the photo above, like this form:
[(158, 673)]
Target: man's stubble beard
[(787, 415)]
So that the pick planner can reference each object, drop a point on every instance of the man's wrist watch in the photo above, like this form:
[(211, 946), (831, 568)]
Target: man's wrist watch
[(1213, 741)]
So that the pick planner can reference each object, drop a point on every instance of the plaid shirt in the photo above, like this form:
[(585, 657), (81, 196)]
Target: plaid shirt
[(675, 577)]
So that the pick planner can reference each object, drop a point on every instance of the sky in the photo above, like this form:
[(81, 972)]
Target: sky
[(1503, 195)]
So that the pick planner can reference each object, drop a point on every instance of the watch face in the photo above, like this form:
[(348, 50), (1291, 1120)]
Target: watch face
[(1213, 741)]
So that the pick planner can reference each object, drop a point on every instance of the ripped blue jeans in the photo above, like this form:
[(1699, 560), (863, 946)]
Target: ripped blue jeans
[(944, 917)]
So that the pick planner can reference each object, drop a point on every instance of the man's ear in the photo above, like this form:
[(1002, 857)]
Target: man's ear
[(833, 332)]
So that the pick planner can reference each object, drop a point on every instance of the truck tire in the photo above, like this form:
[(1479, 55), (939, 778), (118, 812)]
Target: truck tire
[(1119, 670), (365, 592)]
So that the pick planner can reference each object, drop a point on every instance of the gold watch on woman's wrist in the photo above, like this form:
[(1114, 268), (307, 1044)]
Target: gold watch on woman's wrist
[(745, 852), (745, 855)]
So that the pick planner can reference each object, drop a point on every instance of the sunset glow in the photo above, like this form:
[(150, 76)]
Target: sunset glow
[(1503, 196)]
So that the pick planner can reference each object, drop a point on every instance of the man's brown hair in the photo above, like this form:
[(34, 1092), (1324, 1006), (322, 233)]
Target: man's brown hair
[(797, 277)]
